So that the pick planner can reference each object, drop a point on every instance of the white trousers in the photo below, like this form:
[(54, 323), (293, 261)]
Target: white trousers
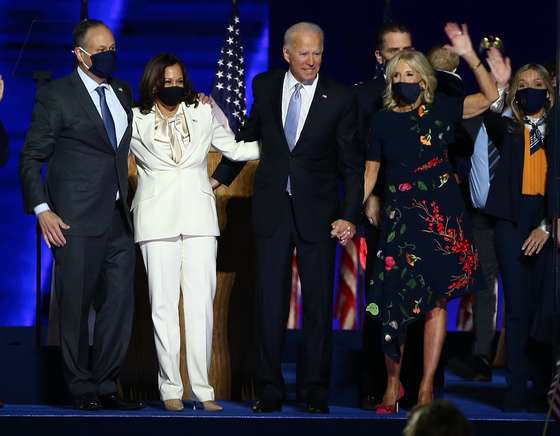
[(186, 263)]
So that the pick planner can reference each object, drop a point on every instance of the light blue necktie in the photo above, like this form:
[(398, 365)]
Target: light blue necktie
[(108, 121), (291, 123), (292, 116)]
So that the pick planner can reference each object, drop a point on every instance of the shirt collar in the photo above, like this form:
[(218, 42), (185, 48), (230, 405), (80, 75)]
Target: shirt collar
[(453, 73), (89, 83), (292, 81)]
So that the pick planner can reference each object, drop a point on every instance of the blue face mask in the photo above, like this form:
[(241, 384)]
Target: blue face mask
[(102, 64), (531, 100), (406, 93)]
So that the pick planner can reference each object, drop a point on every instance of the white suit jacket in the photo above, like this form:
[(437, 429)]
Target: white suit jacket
[(172, 198)]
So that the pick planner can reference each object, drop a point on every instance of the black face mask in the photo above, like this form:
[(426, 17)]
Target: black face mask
[(103, 64), (406, 93), (171, 95), (531, 100)]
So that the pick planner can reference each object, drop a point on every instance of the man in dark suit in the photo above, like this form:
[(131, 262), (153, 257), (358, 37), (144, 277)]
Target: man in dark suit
[(307, 125), (81, 128)]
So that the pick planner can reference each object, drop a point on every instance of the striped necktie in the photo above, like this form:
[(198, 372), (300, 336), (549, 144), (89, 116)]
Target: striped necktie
[(107, 117), (535, 134), (493, 158)]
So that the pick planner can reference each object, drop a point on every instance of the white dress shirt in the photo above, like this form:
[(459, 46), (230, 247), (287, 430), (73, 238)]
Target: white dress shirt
[(307, 94), (117, 112)]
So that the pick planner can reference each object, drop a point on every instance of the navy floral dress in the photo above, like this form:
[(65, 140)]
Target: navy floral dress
[(426, 250)]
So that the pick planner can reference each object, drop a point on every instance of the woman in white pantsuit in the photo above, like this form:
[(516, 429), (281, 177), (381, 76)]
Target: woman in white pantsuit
[(175, 220)]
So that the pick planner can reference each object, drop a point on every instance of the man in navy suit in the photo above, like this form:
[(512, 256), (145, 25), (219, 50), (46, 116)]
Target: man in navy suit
[(81, 129), (307, 127)]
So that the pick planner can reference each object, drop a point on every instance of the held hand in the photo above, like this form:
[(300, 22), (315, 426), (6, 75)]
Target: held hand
[(51, 226), (373, 210), (459, 38), (535, 242), (500, 67), (204, 99), (214, 183), (343, 230)]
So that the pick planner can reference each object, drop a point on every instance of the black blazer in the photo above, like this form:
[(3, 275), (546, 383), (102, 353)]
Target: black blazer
[(83, 171), (327, 149), (4, 149), (369, 96), (505, 189)]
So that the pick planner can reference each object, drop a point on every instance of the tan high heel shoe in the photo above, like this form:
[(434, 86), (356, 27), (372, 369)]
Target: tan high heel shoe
[(207, 406), (173, 405)]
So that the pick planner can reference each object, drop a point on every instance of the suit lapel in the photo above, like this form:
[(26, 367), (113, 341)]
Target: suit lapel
[(319, 100), (82, 95), (277, 105)]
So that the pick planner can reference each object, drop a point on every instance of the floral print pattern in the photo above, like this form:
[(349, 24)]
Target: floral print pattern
[(426, 252)]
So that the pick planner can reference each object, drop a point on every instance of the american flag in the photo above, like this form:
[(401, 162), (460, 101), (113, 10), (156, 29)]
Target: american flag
[(349, 289), (228, 90)]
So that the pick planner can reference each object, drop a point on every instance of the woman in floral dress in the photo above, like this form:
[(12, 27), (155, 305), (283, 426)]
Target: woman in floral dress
[(426, 254)]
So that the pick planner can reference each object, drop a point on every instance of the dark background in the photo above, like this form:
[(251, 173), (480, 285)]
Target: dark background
[(195, 30)]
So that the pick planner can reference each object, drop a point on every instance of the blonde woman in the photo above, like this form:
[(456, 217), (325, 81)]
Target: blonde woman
[(175, 220), (426, 254), (517, 199)]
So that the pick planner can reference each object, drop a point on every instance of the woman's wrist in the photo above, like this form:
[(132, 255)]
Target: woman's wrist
[(472, 59)]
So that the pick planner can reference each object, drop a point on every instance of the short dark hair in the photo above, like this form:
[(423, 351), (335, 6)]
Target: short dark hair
[(389, 27), (153, 80), (440, 418), (80, 31)]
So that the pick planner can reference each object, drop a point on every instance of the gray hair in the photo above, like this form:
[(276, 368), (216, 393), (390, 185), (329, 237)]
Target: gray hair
[(303, 26)]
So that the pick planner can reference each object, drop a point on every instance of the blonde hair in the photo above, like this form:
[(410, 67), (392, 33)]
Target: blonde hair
[(518, 113), (442, 58), (418, 62)]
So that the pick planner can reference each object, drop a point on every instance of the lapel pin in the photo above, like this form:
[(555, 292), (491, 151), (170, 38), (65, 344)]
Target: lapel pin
[(324, 95), (120, 89)]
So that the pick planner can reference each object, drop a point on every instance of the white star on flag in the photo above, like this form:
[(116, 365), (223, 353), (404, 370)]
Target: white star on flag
[(228, 91)]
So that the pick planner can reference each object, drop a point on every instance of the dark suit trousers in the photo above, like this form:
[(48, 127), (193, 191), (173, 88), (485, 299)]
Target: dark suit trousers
[(316, 270), (522, 281), (484, 308), (95, 271)]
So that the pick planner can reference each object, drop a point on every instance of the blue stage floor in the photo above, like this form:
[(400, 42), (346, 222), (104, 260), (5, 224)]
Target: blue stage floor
[(479, 401)]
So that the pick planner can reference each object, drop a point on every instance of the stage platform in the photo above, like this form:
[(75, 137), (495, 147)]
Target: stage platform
[(477, 400)]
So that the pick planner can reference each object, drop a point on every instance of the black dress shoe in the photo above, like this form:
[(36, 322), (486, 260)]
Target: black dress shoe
[(267, 406), (88, 402), (474, 367), (318, 407), (113, 402)]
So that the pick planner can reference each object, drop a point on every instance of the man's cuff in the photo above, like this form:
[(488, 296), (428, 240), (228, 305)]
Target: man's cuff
[(545, 226), (40, 208)]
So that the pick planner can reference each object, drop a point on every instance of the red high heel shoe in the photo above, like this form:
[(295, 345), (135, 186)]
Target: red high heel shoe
[(393, 408)]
